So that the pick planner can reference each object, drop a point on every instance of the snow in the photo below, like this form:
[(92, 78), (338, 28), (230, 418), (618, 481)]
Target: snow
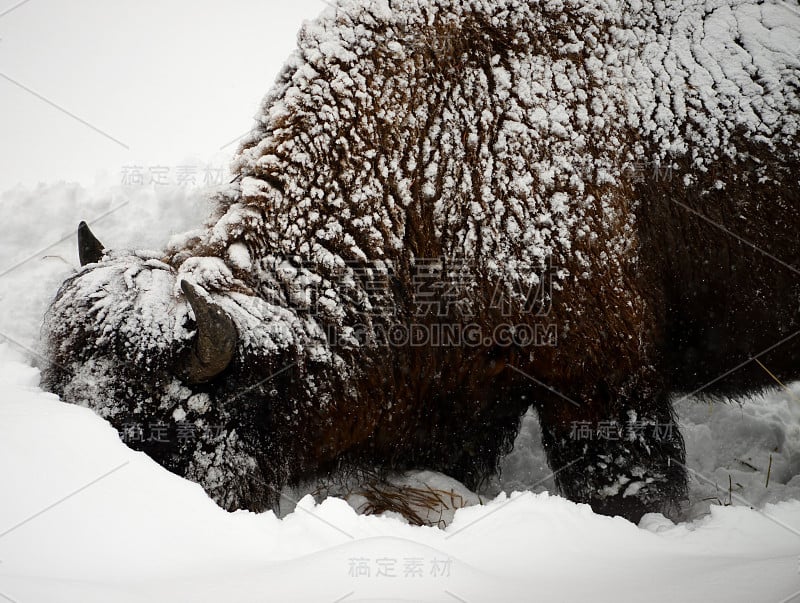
[(88, 519), (84, 518), (91, 520)]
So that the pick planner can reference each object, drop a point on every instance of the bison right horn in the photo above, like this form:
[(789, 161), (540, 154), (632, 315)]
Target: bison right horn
[(216, 339), (90, 250)]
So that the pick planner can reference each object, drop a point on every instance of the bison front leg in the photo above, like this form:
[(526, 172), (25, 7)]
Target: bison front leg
[(624, 457)]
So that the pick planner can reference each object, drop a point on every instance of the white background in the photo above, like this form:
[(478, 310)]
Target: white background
[(172, 81)]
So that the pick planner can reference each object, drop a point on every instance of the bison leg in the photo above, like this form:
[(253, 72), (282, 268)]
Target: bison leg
[(480, 447), (625, 458)]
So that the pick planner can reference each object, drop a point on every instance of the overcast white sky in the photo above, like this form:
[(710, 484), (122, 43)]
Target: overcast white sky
[(163, 82)]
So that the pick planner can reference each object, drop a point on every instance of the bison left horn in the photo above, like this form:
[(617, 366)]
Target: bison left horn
[(90, 250), (215, 341)]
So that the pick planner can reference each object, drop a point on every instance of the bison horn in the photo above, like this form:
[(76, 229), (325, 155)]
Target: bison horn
[(215, 341), (90, 250)]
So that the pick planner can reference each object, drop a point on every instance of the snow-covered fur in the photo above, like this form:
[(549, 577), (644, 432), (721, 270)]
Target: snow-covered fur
[(619, 178)]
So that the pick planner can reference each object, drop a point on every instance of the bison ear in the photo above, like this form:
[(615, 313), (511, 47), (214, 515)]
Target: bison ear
[(215, 341), (90, 250)]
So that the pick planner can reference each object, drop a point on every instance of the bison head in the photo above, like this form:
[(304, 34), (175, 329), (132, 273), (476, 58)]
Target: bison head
[(185, 359)]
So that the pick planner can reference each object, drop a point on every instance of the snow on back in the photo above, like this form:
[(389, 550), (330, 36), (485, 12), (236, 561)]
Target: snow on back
[(499, 131), (709, 70), (466, 125)]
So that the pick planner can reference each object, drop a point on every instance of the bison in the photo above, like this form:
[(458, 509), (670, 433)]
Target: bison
[(447, 213)]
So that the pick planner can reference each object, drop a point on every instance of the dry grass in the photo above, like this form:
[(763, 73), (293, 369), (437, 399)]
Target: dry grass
[(416, 505), (420, 505)]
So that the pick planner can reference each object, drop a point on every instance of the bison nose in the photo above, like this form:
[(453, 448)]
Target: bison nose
[(90, 250)]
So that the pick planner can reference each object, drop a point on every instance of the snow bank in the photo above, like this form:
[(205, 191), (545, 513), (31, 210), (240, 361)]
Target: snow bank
[(87, 519)]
